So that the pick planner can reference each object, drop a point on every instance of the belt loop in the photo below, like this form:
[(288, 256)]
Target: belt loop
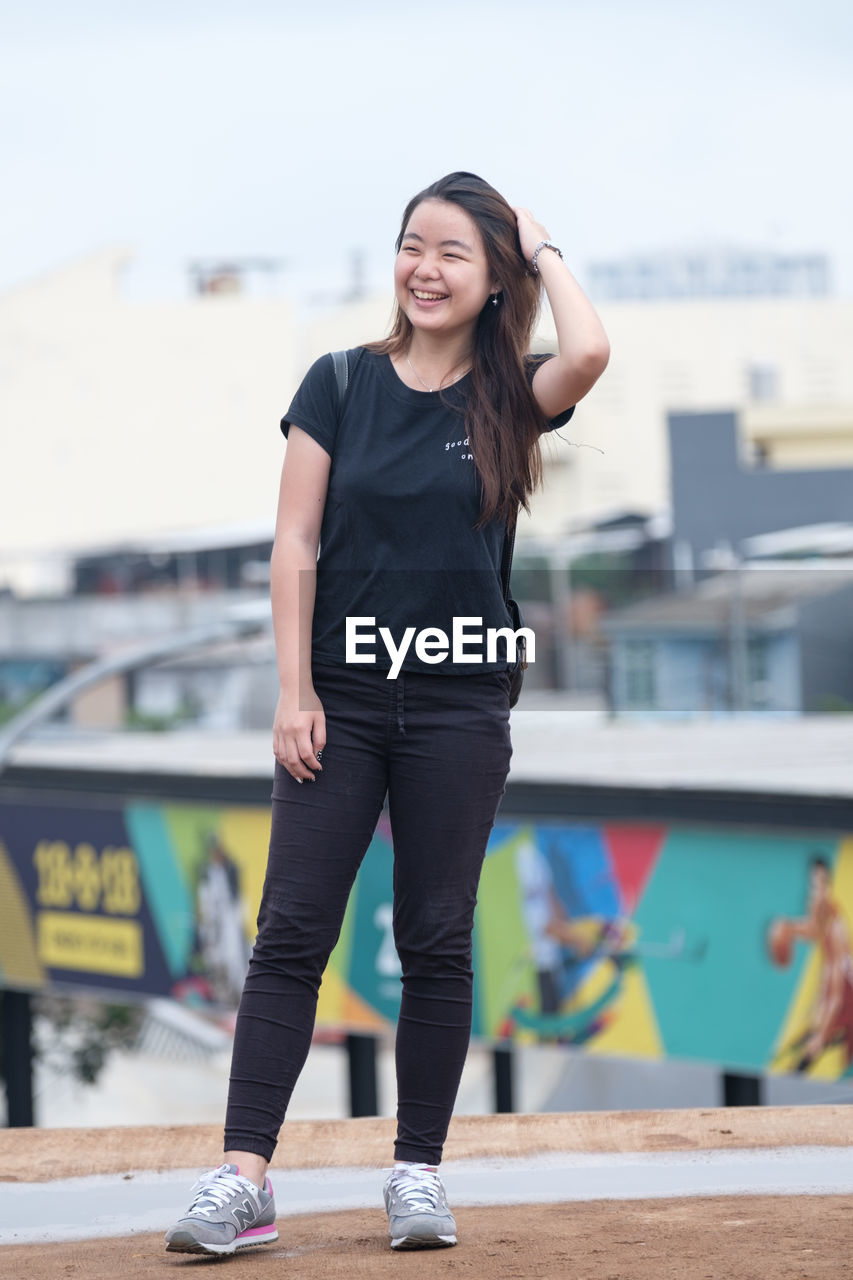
[(400, 725)]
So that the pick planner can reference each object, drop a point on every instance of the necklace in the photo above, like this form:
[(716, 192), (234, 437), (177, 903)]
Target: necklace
[(442, 383)]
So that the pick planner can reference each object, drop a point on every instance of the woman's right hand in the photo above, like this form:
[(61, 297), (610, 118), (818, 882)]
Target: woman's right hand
[(299, 735)]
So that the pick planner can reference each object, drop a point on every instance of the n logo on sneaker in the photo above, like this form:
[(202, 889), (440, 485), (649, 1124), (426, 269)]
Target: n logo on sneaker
[(245, 1214)]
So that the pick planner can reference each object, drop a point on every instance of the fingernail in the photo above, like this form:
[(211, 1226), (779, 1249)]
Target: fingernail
[(299, 780)]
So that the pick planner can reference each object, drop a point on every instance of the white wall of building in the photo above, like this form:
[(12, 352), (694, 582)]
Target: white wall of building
[(121, 419), (698, 355)]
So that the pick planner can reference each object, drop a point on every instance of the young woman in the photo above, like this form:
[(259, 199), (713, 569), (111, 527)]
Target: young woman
[(407, 484)]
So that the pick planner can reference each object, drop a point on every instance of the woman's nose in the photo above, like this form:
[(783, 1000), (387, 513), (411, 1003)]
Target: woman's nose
[(427, 267)]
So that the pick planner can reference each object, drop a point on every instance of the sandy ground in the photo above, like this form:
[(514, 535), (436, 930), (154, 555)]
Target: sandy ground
[(724, 1238), (721, 1237)]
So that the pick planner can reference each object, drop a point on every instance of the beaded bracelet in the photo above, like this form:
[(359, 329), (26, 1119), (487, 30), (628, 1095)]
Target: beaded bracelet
[(543, 244)]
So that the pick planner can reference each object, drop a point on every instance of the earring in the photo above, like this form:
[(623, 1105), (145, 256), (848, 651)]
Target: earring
[(494, 299)]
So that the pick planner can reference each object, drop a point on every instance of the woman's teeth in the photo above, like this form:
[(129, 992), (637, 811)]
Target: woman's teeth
[(422, 296)]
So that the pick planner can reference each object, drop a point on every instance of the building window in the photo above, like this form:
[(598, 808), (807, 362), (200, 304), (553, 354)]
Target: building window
[(761, 456), (757, 672), (640, 673), (763, 382)]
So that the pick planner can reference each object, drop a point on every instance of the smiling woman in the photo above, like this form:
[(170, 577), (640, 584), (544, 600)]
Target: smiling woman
[(467, 284), (409, 485)]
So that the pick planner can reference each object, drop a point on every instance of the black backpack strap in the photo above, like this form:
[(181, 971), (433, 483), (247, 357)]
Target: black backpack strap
[(339, 360), (506, 564), (506, 558)]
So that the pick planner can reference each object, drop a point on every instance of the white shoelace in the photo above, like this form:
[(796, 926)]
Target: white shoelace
[(214, 1189), (418, 1185)]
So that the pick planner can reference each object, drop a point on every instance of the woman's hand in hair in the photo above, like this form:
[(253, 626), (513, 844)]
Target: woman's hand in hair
[(299, 733), (583, 348), (530, 232)]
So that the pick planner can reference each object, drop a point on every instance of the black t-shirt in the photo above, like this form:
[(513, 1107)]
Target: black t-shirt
[(398, 542)]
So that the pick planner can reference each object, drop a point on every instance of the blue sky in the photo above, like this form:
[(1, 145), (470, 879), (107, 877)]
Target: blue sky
[(186, 128)]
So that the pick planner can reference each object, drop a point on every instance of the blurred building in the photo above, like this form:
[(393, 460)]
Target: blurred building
[(723, 493), (228, 686), (780, 365), (761, 638)]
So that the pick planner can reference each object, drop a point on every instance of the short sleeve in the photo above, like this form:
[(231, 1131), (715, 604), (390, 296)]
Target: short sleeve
[(314, 408), (532, 363)]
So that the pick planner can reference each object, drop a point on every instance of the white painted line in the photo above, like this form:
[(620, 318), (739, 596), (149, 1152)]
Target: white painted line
[(125, 1204)]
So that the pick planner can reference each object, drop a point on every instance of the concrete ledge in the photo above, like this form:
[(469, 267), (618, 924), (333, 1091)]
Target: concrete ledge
[(38, 1155)]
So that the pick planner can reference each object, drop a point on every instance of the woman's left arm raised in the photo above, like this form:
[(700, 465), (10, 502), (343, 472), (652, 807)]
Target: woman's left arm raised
[(583, 349)]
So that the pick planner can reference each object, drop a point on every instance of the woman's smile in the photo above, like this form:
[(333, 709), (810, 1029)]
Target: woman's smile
[(428, 296)]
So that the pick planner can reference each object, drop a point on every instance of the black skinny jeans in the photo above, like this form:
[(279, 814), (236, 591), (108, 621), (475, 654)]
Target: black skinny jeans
[(439, 745)]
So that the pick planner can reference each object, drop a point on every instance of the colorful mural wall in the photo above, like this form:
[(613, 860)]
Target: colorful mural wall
[(727, 945)]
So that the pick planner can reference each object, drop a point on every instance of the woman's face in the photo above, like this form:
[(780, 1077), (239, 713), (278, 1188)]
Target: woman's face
[(441, 276)]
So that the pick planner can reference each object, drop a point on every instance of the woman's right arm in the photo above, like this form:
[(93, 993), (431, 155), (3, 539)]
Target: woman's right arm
[(299, 729)]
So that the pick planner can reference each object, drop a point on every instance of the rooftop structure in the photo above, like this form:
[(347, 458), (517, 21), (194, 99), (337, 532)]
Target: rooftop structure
[(725, 273)]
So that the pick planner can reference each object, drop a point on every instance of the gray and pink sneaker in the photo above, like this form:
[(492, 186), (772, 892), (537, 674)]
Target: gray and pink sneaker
[(228, 1212), (418, 1215)]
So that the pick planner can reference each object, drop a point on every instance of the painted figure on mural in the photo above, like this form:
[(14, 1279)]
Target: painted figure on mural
[(825, 926), (540, 906), (565, 949), (221, 943)]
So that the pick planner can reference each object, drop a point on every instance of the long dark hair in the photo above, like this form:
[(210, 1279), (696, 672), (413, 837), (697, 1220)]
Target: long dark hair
[(503, 420)]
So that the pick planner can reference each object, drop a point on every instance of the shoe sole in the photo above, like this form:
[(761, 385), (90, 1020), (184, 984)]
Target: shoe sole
[(423, 1242), (183, 1242)]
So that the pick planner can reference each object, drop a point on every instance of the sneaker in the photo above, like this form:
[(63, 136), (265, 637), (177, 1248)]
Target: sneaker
[(418, 1216), (228, 1212)]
